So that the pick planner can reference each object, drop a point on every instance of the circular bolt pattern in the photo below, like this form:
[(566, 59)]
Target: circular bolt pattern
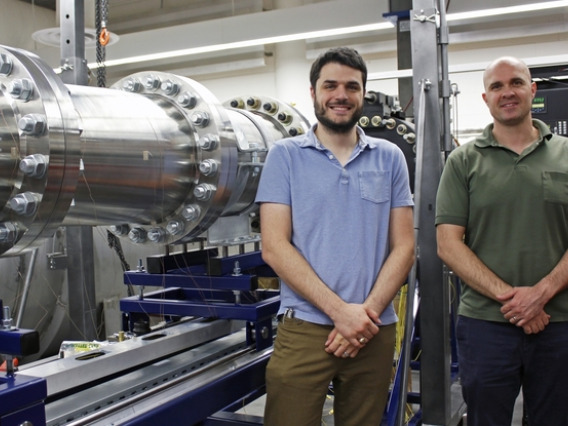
[(390, 123), (7, 232), (203, 191), (5, 64), (190, 213), (187, 100), (137, 235), (32, 124), (24, 204), (21, 89), (169, 87), (132, 85), (209, 142), (156, 235), (34, 165), (237, 103), (175, 227), (200, 119), (152, 82), (120, 230), (208, 167), (376, 120)]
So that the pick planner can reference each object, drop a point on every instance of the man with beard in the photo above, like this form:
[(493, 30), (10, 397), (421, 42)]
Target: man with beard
[(337, 228), (502, 227)]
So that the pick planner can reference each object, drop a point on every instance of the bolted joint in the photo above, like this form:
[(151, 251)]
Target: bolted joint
[(24, 204), (8, 232), (120, 230), (209, 142), (187, 100), (175, 227), (32, 124), (21, 89), (34, 165), (204, 191), (5, 64), (152, 82), (137, 235), (208, 167), (156, 235), (170, 88), (132, 85), (200, 119), (191, 213)]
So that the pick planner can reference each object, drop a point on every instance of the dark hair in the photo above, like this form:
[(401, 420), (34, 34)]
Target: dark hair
[(342, 55)]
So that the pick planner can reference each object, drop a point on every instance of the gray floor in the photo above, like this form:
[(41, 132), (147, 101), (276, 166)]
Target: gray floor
[(256, 408)]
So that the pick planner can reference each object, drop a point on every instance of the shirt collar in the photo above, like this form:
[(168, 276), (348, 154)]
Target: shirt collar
[(312, 141), (487, 139)]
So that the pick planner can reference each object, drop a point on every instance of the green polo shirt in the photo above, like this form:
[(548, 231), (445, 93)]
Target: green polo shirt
[(515, 211)]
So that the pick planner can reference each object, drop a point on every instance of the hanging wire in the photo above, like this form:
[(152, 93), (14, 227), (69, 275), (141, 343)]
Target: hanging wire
[(103, 37)]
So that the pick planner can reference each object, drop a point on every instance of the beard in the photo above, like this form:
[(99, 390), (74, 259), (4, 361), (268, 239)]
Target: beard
[(337, 126)]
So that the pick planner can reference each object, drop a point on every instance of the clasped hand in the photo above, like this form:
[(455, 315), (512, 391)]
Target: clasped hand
[(353, 328), (524, 307)]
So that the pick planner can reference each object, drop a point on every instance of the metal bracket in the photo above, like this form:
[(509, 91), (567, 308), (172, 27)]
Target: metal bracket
[(57, 260)]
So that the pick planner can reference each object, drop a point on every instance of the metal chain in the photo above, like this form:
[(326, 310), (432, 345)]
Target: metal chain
[(101, 14)]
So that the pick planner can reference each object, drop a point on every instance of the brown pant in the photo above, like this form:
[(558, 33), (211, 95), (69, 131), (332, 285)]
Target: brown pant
[(300, 371)]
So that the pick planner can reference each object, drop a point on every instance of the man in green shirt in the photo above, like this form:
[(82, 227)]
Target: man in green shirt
[(502, 227)]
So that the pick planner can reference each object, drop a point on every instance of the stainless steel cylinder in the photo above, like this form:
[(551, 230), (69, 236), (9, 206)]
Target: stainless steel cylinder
[(157, 157)]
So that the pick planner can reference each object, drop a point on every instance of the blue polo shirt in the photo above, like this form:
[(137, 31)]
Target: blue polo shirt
[(340, 214)]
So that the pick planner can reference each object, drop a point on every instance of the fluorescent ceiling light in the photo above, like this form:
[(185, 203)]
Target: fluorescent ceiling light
[(246, 43), (498, 11)]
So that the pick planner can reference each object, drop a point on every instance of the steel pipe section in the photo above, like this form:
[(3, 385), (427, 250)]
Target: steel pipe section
[(156, 157)]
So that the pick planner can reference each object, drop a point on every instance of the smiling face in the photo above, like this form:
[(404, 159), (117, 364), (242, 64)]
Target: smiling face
[(509, 91), (338, 97)]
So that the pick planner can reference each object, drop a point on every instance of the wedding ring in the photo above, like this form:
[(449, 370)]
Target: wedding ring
[(362, 340), (345, 354)]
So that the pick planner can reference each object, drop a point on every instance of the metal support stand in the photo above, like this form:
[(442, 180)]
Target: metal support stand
[(22, 397), (440, 398), (232, 292)]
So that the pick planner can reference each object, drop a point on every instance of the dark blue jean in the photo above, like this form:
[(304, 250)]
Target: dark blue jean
[(497, 359)]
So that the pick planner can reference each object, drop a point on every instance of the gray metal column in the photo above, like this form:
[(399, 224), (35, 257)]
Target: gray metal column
[(72, 25), (440, 403), (80, 258), (404, 59), (81, 283)]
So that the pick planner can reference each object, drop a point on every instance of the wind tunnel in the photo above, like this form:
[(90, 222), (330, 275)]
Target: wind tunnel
[(157, 158)]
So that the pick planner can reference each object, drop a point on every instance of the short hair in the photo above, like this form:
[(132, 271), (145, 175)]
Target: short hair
[(341, 55)]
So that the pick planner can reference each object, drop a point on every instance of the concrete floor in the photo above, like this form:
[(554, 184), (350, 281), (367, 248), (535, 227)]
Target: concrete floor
[(256, 408)]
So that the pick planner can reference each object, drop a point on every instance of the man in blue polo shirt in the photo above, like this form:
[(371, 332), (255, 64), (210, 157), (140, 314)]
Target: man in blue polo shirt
[(336, 222)]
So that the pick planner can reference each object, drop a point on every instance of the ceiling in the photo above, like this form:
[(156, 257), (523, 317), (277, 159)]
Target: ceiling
[(154, 26)]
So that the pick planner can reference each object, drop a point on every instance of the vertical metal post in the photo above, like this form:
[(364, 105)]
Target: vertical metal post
[(80, 267), (72, 26), (437, 399), (404, 60), (81, 282)]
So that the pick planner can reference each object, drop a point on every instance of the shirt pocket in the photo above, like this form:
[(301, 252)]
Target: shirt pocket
[(555, 187), (375, 186)]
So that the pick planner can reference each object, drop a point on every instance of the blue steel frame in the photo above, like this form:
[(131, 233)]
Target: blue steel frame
[(215, 289), (21, 397)]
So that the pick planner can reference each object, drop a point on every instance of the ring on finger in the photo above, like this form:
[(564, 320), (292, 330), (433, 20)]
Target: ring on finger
[(345, 354)]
